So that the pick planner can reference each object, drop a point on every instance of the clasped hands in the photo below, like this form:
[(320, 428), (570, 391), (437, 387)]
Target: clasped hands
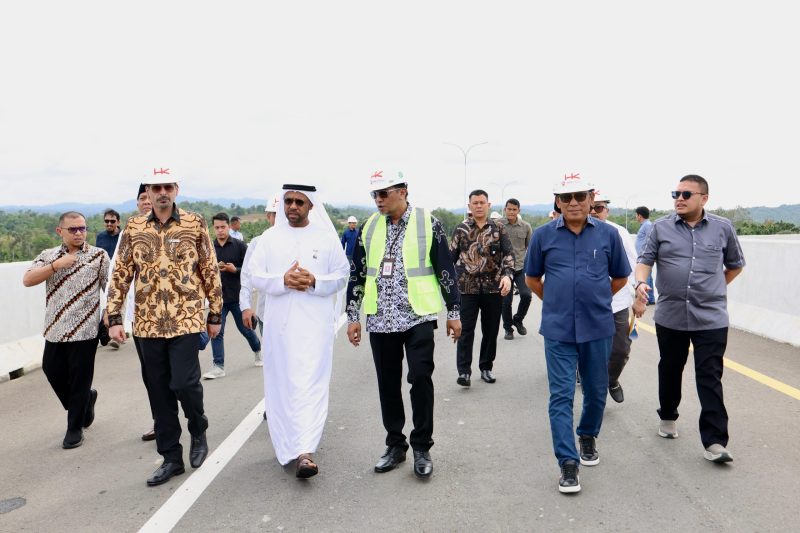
[(298, 278), (640, 300)]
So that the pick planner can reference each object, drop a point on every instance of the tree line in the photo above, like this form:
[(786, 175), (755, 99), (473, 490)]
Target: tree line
[(24, 234)]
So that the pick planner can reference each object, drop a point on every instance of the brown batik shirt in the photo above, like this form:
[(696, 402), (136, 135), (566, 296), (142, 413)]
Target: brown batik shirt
[(482, 256), (175, 269)]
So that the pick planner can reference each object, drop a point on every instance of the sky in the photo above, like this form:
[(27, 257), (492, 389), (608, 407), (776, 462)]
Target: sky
[(239, 97)]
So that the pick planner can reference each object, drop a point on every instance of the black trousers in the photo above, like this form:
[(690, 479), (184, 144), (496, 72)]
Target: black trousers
[(620, 346), (490, 307), (387, 352), (69, 367), (173, 375), (709, 348), (137, 343), (524, 301)]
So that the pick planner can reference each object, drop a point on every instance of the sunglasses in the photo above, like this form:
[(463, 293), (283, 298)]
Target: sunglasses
[(598, 208), (167, 187), (382, 194), (76, 229), (299, 202), (567, 197), (685, 194), (112, 221)]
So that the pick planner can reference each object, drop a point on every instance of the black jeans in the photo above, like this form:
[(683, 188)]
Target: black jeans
[(137, 343), (524, 301), (709, 348), (489, 306), (173, 375), (620, 346), (69, 367), (387, 352)]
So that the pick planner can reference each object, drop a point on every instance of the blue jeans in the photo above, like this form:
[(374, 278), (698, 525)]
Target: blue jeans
[(591, 358), (651, 296), (218, 342)]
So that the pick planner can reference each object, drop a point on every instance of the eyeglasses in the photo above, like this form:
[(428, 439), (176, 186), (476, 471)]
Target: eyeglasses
[(382, 193), (567, 197), (299, 202), (166, 187), (112, 221), (75, 229), (598, 208), (685, 194)]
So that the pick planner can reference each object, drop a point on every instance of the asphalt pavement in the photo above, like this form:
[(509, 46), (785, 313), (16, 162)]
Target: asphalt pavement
[(494, 468)]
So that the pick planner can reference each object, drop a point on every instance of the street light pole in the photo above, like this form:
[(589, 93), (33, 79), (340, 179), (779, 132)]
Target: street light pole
[(503, 188), (465, 153)]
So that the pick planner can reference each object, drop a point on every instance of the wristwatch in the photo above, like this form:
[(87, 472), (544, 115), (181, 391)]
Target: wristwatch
[(636, 287)]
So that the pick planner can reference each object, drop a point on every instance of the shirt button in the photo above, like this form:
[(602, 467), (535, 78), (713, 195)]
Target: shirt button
[(692, 258), (688, 286), (691, 272)]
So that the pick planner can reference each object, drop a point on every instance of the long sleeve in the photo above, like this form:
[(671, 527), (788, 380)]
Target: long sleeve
[(442, 261), (358, 278), (335, 278), (209, 274), (507, 264), (245, 288), (121, 278), (261, 278)]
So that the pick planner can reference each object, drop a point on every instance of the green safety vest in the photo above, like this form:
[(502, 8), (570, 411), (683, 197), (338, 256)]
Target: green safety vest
[(423, 287)]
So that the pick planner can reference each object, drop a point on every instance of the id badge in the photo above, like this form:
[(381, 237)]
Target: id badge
[(387, 268)]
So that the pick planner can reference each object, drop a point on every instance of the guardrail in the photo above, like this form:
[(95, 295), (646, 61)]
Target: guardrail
[(764, 300)]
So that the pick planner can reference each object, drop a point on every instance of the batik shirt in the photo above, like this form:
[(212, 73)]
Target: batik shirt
[(395, 313), (482, 256), (176, 270), (72, 309)]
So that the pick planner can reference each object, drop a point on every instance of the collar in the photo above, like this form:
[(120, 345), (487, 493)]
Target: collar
[(403, 219), (83, 250), (176, 216), (589, 219), (676, 218)]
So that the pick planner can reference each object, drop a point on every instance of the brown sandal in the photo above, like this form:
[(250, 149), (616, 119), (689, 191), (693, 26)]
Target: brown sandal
[(306, 467)]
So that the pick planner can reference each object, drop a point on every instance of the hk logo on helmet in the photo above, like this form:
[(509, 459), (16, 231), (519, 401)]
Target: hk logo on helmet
[(160, 171), (570, 177), (376, 176)]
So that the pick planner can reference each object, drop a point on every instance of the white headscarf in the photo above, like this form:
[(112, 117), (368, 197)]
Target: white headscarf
[(317, 216)]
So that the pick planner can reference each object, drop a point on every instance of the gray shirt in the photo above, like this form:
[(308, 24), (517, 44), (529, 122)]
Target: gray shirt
[(692, 293), (520, 236)]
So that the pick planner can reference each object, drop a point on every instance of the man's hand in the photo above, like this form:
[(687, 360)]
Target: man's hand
[(642, 292), (354, 332), (306, 277), (117, 333), (298, 278), (454, 329), (505, 285), (247, 316), (639, 307), (105, 317), (65, 261), (213, 330)]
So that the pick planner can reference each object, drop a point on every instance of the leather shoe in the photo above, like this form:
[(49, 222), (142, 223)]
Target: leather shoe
[(423, 465), (463, 380), (164, 472), (89, 417), (487, 376), (615, 391), (393, 456), (522, 330), (72, 439), (150, 435), (198, 450), (509, 336)]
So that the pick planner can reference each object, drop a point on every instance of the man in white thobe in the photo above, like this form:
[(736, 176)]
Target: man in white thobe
[(301, 267)]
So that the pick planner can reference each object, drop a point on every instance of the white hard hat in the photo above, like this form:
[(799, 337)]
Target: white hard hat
[(160, 175), (273, 204), (384, 179), (352, 219), (572, 183), (600, 197), (494, 215)]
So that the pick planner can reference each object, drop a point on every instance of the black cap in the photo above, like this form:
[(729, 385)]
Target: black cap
[(293, 187), (141, 190)]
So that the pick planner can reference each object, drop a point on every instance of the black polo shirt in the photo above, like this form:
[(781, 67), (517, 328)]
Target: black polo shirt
[(231, 252)]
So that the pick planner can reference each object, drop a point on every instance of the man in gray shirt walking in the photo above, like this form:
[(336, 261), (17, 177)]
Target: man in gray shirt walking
[(698, 254), (519, 233)]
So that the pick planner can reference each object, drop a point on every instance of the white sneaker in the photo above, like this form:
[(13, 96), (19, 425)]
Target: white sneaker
[(668, 429), (716, 453), (214, 373), (258, 360)]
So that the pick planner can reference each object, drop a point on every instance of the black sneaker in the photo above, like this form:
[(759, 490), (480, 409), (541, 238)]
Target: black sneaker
[(569, 482), (522, 330), (463, 380), (509, 336), (589, 455)]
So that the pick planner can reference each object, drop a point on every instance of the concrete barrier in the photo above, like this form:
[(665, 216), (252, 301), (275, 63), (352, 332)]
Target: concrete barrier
[(764, 300)]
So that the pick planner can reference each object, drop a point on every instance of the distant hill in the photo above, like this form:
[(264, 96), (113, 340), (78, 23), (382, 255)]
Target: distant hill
[(785, 213), (124, 207)]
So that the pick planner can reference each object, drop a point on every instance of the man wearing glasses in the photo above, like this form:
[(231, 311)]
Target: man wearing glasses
[(401, 270), (698, 255), (583, 263), (75, 276), (620, 304), (107, 240), (169, 252)]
